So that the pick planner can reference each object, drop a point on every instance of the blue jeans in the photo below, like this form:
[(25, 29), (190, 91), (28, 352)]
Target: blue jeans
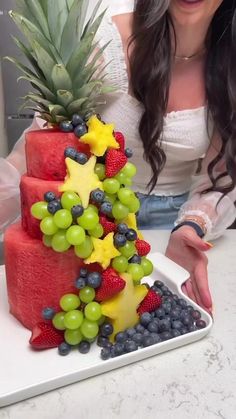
[(159, 212)]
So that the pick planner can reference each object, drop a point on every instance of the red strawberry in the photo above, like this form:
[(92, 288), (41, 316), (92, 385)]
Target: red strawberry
[(108, 226), (112, 283), (115, 161), (121, 140), (143, 248), (151, 302), (45, 336)]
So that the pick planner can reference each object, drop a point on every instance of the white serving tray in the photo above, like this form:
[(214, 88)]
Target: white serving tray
[(25, 373)]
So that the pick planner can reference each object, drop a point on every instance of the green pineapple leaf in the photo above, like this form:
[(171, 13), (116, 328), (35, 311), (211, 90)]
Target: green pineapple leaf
[(61, 78)]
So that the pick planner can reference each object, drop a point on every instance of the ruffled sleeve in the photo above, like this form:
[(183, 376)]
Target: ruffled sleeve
[(119, 7)]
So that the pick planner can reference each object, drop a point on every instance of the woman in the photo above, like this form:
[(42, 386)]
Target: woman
[(172, 63)]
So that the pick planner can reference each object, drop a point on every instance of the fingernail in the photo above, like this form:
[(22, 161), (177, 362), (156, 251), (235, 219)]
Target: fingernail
[(210, 245)]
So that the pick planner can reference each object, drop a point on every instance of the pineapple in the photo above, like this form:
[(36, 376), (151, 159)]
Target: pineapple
[(65, 67)]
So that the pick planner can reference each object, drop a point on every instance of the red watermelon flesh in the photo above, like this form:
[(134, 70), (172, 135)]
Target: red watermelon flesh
[(37, 277), (45, 153), (33, 190)]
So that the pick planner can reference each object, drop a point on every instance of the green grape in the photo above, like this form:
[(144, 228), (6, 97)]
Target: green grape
[(100, 171), (47, 226), (110, 198), (147, 266), (119, 211), (85, 249), (47, 240), (129, 170), (87, 294), (120, 264), (93, 311), (136, 271), (126, 196), (97, 231), (75, 235), (92, 208), (134, 205), (39, 210), (121, 177), (58, 320), (88, 220), (73, 319), (69, 302), (69, 199), (73, 337), (101, 320), (89, 329), (59, 242), (111, 185), (63, 218), (128, 250), (128, 181)]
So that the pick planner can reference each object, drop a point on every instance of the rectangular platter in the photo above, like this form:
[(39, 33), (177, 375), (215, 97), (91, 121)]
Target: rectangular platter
[(25, 373)]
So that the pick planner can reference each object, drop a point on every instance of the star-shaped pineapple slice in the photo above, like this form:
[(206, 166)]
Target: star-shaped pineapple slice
[(99, 136), (81, 179), (122, 309), (131, 222), (104, 251)]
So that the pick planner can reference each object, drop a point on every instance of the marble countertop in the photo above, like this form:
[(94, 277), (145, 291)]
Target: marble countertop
[(197, 381)]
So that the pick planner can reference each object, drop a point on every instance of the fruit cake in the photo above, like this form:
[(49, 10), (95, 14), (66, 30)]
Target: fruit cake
[(75, 263)]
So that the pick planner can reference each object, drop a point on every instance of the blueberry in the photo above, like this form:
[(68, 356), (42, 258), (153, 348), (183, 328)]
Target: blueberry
[(177, 324), (160, 313), (94, 279), (168, 293), (83, 272), (190, 309), (77, 211), (106, 329), (146, 333), (187, 320), (196, 315), (119, 240), (130, 346), (48, 313), (156, 337), (201, 324), (175, 333), (84, 347), (64, 349), (81, 158), (106, 208), (148, 341), (121, 337), (145, 319), (158, 284), (103, 341), (158, 290), (182, 303), (166, 335), (131, 332), (175, 314), (113, 352), (49, 196), (128, 152), (70, 152), (131, 234), (184, 330), (175, 297), (77, 119), (153, 327), (164, 325), (167, 307), (164, 289), (105, 353), (192, 328), (66, 126), (139, 328), (80, 283), (122, 228), (138, 338), (119, 348), (135, 259), (54, 206), (97, 195), (184, 313), (80, 130)]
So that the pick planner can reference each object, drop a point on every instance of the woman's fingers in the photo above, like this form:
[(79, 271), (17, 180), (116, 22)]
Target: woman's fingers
[(189, 290), (201, 281)]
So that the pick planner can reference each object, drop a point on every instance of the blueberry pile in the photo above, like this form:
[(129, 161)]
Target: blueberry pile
[(76, 125), (172, 319), (88, 279)]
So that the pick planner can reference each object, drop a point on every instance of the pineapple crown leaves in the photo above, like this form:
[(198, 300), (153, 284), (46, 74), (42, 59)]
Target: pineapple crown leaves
[(65, 69)]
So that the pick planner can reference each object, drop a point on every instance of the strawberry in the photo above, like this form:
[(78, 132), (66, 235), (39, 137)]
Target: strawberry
[(151, 302), (120, 140), (108, 226), (143, 248), (45, 336), (115, 161), (112, 283)]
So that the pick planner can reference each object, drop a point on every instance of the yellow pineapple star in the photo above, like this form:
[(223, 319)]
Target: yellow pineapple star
[(81, 179), (104, 251), (122, 309), (99, 136)]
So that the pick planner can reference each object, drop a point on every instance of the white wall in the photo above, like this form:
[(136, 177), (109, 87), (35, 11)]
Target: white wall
[(3, 139)]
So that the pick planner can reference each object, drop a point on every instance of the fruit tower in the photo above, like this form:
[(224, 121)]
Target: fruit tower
[(77, 257)]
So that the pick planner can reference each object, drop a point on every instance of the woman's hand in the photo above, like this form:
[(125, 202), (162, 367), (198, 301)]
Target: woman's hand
[(187, 249)]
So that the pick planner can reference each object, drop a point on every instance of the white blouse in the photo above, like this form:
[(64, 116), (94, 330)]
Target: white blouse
[(185, 140)]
